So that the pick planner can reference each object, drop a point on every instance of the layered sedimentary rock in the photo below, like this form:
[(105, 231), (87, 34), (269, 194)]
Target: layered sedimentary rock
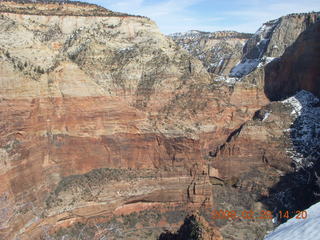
[(273, 157), (83, 96), (276, 153), (108, 128)]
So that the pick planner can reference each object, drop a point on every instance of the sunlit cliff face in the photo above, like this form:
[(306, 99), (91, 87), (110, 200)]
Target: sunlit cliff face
[(107, 124)]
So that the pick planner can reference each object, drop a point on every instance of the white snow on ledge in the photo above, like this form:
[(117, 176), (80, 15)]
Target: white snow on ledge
[(302, 99), (305, 129), (228, 80), (247, 66), (299, 229), (244, 68), (266, 60), (262, 39), (266, 116)]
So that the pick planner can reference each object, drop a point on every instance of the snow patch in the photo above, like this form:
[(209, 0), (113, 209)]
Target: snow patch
[(264, 34), (125, 49), (244, 68), (261, 40), (265, 117), (302, 100), (192, 34), (266, 60), (298, 229), (305, 129), (228, 80)]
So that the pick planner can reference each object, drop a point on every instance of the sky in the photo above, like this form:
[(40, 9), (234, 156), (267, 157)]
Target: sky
[(210, 15)]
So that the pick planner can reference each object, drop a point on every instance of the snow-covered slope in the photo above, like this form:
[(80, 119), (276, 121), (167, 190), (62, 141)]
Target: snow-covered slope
[(254, 50), (305, 130), (299, 229)]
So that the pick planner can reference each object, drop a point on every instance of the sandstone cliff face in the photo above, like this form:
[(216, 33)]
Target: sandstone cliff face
[(282, 156), (83, 96), (271, 41), (218, 51), (297, 69), (263, 157), (106, 128), (274, 156)]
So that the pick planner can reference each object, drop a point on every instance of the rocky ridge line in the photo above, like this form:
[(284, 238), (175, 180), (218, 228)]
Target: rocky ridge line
[(57, 8)]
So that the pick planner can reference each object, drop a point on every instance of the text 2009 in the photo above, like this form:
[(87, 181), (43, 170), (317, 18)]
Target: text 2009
[(263, 214)]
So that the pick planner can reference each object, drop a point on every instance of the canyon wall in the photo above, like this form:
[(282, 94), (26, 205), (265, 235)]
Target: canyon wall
[(100, 115), (109, 128), (218, 51), (297, 69)]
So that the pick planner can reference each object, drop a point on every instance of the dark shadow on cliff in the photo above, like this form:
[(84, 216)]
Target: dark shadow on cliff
[(296, 190), (297, 69), (190, 230)]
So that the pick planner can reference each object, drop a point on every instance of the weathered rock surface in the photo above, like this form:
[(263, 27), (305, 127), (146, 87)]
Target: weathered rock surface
[(297, 69), (271, 41), (218, 51), (106, 125), (55, 8), (83, 93), (270, 159)]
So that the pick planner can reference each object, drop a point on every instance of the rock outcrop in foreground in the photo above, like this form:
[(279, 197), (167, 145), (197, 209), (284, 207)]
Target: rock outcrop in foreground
[(109, 129)]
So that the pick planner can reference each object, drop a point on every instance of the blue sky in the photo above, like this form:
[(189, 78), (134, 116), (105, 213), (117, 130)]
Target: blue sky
[(210, 15)]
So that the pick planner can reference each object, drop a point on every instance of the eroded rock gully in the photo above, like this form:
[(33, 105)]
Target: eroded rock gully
[(218, 51), (106, 127)]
